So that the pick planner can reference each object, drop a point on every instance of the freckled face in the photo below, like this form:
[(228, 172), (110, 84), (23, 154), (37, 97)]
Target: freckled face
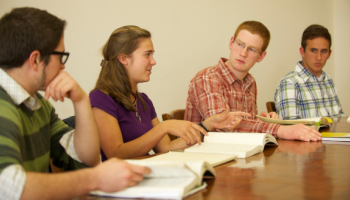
[(241, 60)]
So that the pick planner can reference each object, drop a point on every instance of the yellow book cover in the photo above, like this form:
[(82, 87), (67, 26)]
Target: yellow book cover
[(335, 136)]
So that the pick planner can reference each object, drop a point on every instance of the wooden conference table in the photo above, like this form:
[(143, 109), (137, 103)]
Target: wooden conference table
[(293, 170)]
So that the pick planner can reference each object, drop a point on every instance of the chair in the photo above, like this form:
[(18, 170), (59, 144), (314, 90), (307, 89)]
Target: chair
[(270, 105), (175, 114)]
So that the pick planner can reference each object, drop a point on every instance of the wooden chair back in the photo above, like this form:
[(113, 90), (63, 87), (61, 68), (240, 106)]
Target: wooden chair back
[(270, 105), (175, 114)]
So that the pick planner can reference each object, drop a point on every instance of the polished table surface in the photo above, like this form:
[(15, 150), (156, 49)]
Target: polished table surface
[(293, 170)]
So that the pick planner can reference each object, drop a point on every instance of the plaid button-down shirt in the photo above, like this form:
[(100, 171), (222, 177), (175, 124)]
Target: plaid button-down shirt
[(214, 87), (301, 94)]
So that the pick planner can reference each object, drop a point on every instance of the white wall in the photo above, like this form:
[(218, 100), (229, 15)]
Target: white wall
[(189, 36), (341, 51)]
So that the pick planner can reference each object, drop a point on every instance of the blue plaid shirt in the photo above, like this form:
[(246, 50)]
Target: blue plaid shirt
[(301, 94)]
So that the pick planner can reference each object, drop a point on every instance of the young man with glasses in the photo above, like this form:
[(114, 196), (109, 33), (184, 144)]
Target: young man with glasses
[(229, 83), (308, 91), (32, 58)]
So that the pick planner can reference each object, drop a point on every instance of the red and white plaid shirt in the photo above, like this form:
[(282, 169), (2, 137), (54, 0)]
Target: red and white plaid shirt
[(214, 87)]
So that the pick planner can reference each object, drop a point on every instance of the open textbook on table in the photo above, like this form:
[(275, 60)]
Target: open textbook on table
[(219, 148), (168, 180), (242, 145)]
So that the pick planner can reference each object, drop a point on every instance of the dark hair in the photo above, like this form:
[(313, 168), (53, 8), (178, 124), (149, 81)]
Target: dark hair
[(258, 28), (113, 79), (315, 31), (25, 30)]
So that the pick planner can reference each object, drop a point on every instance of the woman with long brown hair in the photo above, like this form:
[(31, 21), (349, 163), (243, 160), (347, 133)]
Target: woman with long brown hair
[(127, 120)]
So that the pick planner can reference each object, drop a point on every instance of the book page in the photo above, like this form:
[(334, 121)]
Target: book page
[(320, 121), (241, 150), (236, 138), (314, 119), (199, 168), (336, 142), (165, 188), (336, 139), (168, 180), (161, 169), (213, 160), (286, 122)]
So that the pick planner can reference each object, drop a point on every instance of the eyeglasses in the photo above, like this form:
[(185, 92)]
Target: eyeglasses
[(251, 50), (64, 56)]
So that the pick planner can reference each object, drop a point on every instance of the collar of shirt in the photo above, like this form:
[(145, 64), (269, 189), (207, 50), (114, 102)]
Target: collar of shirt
[(17, 93), (228, 75), (305, 74)]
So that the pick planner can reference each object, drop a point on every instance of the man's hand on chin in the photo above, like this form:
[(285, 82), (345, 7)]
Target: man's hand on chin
[(63, 85)]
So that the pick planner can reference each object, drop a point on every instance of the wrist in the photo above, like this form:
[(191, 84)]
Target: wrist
[(208, 125), (204, 127), (83, 98), (90, 178), (83, 103), (279, 132), (163, 128)]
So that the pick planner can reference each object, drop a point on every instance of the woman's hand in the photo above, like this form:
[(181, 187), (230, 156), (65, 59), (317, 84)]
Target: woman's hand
[(188, 131), (226, 119)]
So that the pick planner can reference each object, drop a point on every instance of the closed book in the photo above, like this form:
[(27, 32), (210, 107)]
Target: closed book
[(328, 136)]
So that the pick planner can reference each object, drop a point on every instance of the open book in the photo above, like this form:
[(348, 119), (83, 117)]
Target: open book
[(179, 155), (242, 145), (168, 180), (315, 123)]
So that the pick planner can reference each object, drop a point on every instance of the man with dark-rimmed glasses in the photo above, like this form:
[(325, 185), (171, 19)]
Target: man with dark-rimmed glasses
[(32, 58), (230, 83)]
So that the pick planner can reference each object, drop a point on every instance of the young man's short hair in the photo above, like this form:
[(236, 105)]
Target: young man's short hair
[(315, 31), (258, 28), (25, 30)]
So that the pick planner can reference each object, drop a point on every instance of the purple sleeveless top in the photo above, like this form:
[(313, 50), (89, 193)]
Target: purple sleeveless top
[(130, 126)]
